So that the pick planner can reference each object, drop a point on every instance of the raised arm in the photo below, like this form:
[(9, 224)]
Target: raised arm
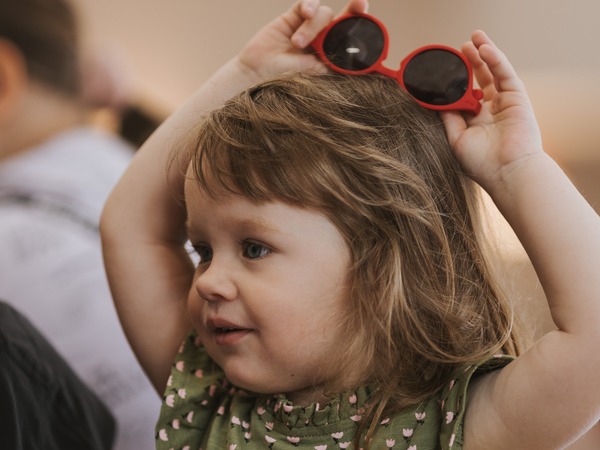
[(550, 396), (142, 225)]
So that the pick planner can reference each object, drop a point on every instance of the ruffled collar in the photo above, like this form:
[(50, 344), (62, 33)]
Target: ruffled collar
[(281, 412)]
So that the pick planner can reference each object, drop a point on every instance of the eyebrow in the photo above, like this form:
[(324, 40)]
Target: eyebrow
[(254, 225), (243, 226)]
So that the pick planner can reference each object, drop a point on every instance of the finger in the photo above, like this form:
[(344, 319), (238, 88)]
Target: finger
[(455, 125), (316, 17), (308, 8), (304, 9), (300, 11), (308, 64), (502, 71), (482, 73), (308, 30), (355, 6)]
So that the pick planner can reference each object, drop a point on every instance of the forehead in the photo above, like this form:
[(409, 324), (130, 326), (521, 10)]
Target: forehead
[(210, 193), (238, 215)]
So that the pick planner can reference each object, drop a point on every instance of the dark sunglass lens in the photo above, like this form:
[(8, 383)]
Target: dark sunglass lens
[(436, 77), (354, 44)]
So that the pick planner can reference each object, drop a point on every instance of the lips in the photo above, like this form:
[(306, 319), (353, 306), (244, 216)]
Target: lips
[(226, 332)]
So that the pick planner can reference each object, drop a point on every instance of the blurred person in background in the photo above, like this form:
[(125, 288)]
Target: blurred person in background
[(55, 173), (43, 403)]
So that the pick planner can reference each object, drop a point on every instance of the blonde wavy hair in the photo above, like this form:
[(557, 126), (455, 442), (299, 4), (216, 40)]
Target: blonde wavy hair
[(422, 299)]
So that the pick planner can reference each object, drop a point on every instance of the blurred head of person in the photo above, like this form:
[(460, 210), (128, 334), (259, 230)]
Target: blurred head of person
[(50, 82), (42, 91), (44, 36)]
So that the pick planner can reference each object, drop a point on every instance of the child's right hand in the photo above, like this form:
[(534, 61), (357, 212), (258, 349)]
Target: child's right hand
[(143, 223), (280, 45)]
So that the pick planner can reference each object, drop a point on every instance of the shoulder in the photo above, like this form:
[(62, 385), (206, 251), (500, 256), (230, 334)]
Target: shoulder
[(75, 169), (85, 141), (455, 396), (194, 381), (437, 422)]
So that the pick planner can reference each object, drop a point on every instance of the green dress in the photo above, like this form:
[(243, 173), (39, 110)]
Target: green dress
[(202, 411)]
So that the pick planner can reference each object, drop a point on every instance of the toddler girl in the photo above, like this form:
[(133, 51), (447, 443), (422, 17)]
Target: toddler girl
[(341, 296)]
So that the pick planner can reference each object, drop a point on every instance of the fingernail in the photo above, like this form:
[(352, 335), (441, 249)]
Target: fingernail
[(310, 6), (298, 40)]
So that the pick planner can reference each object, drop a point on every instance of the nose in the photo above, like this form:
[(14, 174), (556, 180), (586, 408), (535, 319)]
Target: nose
[(215, 281)]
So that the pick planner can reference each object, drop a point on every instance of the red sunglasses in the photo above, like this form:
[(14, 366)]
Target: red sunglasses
[(436, 76)]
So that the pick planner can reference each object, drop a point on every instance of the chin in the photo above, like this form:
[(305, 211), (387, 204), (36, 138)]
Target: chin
[(248, 385), (237, 373)]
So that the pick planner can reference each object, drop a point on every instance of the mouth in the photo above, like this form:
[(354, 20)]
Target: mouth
[(225, 333), (230, 336), (227, 330)]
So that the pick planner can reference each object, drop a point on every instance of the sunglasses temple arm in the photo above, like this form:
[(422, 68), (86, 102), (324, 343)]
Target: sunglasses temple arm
[(473, 101)]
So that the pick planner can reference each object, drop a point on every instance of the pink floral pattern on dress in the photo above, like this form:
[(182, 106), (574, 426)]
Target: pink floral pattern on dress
[(203, 411)]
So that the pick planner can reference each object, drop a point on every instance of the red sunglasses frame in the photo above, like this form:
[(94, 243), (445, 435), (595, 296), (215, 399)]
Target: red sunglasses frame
[(470, 101)]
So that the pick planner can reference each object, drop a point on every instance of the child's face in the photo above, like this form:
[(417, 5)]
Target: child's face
[(268, 291)]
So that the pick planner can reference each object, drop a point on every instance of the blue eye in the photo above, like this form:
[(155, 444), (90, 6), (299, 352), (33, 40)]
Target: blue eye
[(205, 253), (253, 250)]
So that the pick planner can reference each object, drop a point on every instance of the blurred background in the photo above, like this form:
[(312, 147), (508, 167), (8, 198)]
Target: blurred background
[(171, 47)]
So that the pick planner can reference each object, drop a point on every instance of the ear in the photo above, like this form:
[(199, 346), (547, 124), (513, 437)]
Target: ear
[(13, 78)]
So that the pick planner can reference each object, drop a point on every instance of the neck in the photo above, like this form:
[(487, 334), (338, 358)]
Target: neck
[(307, 397), (40, 115), (316, 393)]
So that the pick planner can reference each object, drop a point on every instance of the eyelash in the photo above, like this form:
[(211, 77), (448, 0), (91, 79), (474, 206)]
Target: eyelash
[(201, 250), (247, 244)]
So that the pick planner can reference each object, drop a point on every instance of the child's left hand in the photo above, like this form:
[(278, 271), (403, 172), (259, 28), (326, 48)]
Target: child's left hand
[(505, 132)]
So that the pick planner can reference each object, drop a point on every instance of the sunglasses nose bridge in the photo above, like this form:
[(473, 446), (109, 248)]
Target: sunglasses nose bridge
[(380, 68)]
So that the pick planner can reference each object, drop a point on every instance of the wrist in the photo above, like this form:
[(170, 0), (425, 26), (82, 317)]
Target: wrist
[(246, 73), (526, 171), (233, 77)]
